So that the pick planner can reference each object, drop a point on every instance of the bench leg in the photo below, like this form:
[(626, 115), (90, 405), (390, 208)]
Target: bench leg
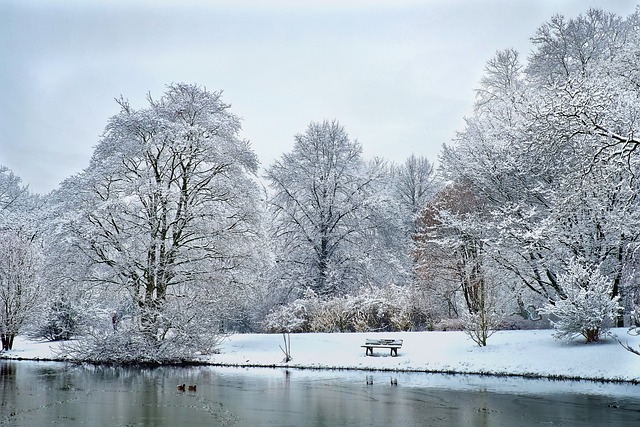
[(368, 350), (394, 352)]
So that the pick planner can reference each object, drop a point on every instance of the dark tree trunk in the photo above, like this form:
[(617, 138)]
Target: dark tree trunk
[(616, 286), (7, 341), (592, 335)]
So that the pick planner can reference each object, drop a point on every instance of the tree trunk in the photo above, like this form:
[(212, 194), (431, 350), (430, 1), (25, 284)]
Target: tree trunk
[(592, 335), (7, 341), (616, 286)]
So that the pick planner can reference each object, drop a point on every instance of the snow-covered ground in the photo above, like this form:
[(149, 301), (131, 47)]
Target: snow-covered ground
[(526, 353)]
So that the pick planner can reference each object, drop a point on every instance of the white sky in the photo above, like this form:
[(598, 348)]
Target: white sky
[(399, 75)]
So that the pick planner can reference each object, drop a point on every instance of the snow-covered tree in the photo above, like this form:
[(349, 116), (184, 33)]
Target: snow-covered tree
[(329, 217), (566, 48), (455, 263), (20, 288), (67, 304), (167, 217), (11, 190), (20, 257), (415, 184), (487, 160), (550, 148), (588, 307), (20, 210)]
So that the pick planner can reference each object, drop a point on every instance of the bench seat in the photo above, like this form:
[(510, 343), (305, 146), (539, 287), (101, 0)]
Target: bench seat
[(391, 344)]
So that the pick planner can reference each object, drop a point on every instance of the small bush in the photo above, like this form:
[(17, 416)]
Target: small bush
[(588, 307), (449, 325), (518, 323), (61, 322), (292, 317)]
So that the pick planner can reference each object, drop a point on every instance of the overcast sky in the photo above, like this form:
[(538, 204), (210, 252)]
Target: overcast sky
[(398, 74)]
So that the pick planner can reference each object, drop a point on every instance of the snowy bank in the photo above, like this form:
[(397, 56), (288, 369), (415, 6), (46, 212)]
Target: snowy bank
[(533, 353)]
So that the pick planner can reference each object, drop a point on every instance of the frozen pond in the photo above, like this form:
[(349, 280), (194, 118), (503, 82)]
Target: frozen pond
[(47, 393)]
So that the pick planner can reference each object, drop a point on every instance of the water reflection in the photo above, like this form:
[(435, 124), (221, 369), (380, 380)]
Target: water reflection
[(50, 393)]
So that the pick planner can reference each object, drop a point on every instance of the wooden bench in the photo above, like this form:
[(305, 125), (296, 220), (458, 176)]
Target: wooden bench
[(370, 344)]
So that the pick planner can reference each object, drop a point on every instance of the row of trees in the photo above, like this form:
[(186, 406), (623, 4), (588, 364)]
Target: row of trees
[(166, 239), (169, 237), (548, 166)]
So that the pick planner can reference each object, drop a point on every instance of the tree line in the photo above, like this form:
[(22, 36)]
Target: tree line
[(172, 236)]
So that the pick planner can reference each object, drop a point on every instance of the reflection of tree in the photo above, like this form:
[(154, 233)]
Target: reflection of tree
[(8, 386)]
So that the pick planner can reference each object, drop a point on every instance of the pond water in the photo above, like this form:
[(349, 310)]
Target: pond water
[(49, 393)]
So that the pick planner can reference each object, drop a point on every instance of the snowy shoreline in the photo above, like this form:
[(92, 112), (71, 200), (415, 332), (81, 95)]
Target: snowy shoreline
[(525, 354)]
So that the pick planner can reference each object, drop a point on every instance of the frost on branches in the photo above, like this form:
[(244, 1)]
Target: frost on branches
[(588, 306), (393, 308), (167, 224), (20, 289)]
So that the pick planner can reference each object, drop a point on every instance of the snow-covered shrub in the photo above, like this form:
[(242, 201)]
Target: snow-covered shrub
[(392, 308), (369, 312), (399, 307), (129, 346), (330, 316), (588, 306), (113, 334), (61, 321), (455, 324), (125, 346), (479, 326), (518, 323), (287, 318), (292, 317)]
